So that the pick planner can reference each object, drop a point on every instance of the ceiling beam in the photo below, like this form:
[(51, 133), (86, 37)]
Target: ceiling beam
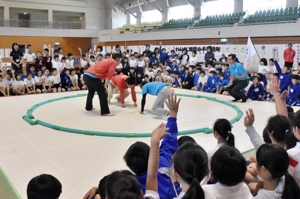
[(191, 3), (157, 8), (139, 4)]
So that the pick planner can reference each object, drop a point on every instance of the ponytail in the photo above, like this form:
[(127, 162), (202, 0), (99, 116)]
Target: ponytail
[(223, 128), (291, 189), (195, 191)]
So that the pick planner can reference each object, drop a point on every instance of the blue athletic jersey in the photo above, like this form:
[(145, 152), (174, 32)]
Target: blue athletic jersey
[(153, 88)]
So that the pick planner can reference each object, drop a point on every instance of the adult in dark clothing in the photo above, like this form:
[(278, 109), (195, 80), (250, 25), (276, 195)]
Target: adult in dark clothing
[(16, 57), (209, 55), (148, 51)]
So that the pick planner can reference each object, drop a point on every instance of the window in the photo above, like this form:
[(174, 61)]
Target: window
[(181, 12), (133, 19), (217, 7), (252, 5), (151, 16)]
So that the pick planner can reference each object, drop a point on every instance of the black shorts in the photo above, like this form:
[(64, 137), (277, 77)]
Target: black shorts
[(30, 88), (39, 87), (46, 87), (65, 86), (57, 85)]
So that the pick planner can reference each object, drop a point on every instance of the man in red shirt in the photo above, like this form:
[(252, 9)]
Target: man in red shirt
[(96, 78), (289, 55), (122, 82)]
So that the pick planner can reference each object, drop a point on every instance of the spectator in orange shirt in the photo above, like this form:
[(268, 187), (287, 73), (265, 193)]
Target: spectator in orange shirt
[(122, 82), (96, 78), (289, 55)]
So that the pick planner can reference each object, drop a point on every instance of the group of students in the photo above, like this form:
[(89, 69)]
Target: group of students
[(173, 167)]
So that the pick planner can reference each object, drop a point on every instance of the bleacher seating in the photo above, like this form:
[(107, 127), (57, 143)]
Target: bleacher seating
[(178, 24), (146, 26), (126, 28), (287, 15), (220, 20)]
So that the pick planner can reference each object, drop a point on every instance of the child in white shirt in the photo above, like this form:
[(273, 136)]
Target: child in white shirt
[(141, 64), (74, 80), (150, 73), (228, 169), (29, 84), (83, 59), (56, 87), (193, 59), (201, 81), (39, 82), (56, 63), (132, 61), (158, 77), (29, 58), (70, 61), (48, 82), (17, 85), (92, 60)]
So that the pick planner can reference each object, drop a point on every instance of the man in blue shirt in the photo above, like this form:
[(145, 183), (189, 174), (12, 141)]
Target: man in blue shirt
[(162, 91), (239, 79)]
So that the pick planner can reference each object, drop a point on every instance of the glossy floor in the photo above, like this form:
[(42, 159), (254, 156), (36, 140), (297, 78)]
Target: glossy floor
[(79, 161)]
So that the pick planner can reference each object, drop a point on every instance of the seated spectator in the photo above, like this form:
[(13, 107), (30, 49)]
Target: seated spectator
[(44, 186)]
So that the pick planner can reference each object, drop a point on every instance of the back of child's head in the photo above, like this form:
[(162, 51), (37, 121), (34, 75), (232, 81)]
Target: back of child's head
[(44, 187), (290, 109), (279, 127), (228, 166), (266, 136), (223, 128), (122, 185), (296, 124), (101, 187), (191, 164), (276, 160), (185, 139), (136, 157), (260, 77), (130, 81)]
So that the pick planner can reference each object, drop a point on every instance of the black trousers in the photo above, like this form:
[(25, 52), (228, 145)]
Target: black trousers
[(235, 89), (289, 64), (96, 85)]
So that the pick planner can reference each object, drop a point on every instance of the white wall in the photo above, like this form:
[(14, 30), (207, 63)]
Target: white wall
[(118, 19), (95, 10), (271, 30)]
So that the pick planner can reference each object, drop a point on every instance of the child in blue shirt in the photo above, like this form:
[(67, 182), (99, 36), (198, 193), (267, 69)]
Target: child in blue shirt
[(284, 77), (65, 80), (196, 76), (226, 72), (182, 73), (174, 66), (256, 90), (163, 54), (211, 82), (294, 92), (177, 80), (221, 83), (153, 58)]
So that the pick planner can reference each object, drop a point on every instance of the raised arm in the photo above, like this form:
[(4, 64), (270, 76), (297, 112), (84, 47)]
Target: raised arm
[(169, 145), (277, 67), (157, 135), (80, 52), (280, 105), (255, 138)]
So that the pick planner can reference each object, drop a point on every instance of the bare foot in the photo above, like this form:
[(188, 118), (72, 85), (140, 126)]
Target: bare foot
[(109, 114)]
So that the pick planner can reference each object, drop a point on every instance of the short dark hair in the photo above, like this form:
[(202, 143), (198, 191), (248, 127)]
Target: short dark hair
[(117, 46), (101, 187), (296, 77), (116, 56), (122, 184), (228, 166), (46, 49), (63, 58), (233, 56), (53, 69), (107, 55), (290, 109), (210, 63), (92, 57), (272, 60), (147, 45), (28, 45), (264, 60), (146, 76), (44, 186), (136, 157), (101, 48), (185, 139), (70, 54), (202, 72), (213, 72), (130, 81)]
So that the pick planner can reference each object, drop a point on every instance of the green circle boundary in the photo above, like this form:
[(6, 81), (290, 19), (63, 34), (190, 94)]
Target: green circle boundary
[(30, 119)]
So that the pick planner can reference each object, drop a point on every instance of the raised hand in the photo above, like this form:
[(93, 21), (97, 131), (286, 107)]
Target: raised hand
[(249, 118), (275, 85), (159, 133), (173, 104)]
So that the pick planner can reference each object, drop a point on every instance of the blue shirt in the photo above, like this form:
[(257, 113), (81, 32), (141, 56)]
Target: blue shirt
[(153, 88), (238, 70)]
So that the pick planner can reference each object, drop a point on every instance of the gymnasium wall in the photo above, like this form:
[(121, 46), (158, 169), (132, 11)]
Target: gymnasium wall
[(69, 44)]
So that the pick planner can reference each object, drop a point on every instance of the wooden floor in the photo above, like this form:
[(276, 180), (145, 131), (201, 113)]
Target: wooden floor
[(79, 161)]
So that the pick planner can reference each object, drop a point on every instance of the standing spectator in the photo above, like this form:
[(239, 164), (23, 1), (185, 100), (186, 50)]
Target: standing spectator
[(289, 55), (16, 57), (209, 55), (29, 58), (148, 51)]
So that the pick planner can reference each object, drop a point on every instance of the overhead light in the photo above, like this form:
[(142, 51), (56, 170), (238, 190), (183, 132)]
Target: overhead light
[(25, 13)]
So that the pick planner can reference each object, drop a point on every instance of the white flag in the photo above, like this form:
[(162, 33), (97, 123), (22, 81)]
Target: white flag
[(250, 51)]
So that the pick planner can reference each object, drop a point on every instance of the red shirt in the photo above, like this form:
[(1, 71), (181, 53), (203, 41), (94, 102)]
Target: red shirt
[(47, 61), (120, 82), (38, 63), (289, 55), (103, 69)]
